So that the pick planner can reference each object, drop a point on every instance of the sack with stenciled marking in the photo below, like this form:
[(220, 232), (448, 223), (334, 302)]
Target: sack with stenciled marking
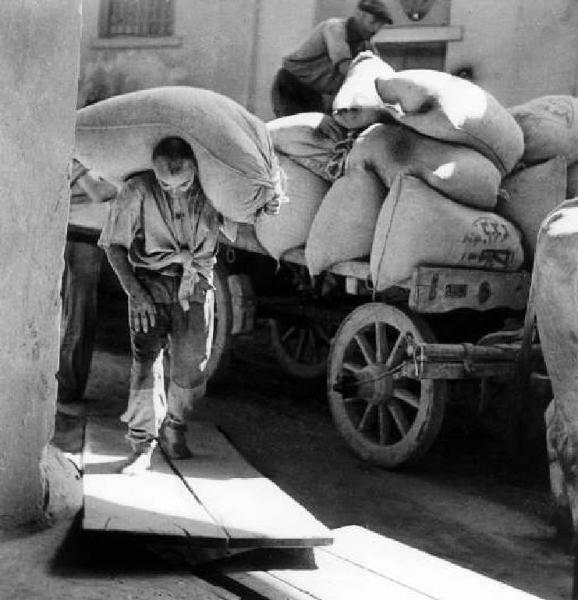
[(238, 168), (452, 109), (418, 226)]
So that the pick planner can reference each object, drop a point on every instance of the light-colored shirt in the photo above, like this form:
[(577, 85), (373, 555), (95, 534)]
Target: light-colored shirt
[(175, 236), (316, 62)]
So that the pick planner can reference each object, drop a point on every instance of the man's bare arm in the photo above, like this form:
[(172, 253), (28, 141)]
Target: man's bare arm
[(142, 308)]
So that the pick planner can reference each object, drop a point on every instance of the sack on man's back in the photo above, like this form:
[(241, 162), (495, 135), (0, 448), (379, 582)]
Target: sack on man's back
[(238, 168)]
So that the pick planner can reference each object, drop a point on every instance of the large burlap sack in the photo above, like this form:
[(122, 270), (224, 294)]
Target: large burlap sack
[(419, 226), (453, 109), (459, 172), (290, 228), (237, 165), (531, 194), (344, 225), (554, 284), (357, 103), (313, 140), (550, 127)]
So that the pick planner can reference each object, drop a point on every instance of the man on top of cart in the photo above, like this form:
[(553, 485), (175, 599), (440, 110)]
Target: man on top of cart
[(311, 75)]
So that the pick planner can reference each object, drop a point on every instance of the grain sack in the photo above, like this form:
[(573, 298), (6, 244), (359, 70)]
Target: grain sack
[(291, 226), (453, 109), (417, 225), (531, 194), (458, 172), (237, 166), (344, 225), (555, 280), (550, 127), (357, 103), (312, 140)]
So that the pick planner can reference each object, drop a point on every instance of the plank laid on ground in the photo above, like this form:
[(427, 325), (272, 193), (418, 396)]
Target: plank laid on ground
[(251, 509), (364, 564), (156, 502), (432, 576)]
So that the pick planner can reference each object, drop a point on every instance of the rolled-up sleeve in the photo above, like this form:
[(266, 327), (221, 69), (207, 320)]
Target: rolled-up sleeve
[(124, 217)]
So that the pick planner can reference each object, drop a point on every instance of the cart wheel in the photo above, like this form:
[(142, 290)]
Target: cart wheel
[(385, 418), (220, 359), (301, 349)]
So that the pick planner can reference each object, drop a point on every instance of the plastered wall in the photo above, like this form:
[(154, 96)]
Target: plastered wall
[(518, 49), (39, 73)]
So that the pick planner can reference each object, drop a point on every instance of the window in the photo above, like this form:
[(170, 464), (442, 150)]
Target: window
[(138, 18)]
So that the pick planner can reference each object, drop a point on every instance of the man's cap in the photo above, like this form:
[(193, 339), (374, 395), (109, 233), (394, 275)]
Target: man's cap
[(377, 8)]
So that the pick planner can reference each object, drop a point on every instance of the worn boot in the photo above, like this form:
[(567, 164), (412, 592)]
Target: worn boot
[(173, 440), (140, 459)]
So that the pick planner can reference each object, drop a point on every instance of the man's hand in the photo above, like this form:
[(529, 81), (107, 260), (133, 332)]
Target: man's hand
[(142, 311)]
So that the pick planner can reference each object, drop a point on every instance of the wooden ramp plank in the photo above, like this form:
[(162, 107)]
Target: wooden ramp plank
[(332, 579), (363, 564), (251, 509), (432, 576), (155, 503)]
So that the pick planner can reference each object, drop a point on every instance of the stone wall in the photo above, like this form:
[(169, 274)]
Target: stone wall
[(39, 53)]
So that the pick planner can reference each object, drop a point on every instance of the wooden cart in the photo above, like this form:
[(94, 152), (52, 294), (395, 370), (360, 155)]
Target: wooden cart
[(387, 357)]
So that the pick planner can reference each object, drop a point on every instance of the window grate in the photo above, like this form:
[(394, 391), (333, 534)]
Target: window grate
[(142, 18)]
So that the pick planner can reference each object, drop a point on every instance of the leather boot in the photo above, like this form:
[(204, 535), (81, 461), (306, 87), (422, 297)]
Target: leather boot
[(173, 440)]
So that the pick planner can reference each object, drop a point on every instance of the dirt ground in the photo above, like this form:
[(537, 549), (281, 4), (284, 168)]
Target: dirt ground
[(470, 501)]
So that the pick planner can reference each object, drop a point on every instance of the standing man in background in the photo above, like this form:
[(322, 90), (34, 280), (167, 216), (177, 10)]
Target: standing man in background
[(311, 75), (82, 264)]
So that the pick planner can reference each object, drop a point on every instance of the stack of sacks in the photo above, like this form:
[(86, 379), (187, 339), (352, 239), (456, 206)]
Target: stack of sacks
[(419, 226), (238, 168), (551, 129), (312, 140), (290, 228), (357, 104), (459, 172)]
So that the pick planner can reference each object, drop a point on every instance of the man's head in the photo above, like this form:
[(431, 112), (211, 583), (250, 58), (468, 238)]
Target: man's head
[(174, 165), (371, 16)]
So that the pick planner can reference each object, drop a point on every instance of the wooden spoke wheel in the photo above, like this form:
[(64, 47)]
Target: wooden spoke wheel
[(301, 348), (385, 418), (220, 359)]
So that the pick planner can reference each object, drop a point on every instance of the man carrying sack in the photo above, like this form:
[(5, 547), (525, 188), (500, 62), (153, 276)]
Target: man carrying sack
[(161, 240), (311, 75)]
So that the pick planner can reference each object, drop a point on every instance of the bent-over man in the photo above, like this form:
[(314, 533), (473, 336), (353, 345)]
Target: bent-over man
[(311, 76), (161, 241)]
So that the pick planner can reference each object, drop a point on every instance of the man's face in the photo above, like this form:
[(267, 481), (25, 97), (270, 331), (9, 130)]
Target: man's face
[(369, 24), (175, 182)]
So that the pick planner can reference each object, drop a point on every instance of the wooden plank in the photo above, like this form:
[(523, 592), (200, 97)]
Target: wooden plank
[(154, 503), (250, 508), (442, 289), (363, 564), (457, 370), (429, 575)]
